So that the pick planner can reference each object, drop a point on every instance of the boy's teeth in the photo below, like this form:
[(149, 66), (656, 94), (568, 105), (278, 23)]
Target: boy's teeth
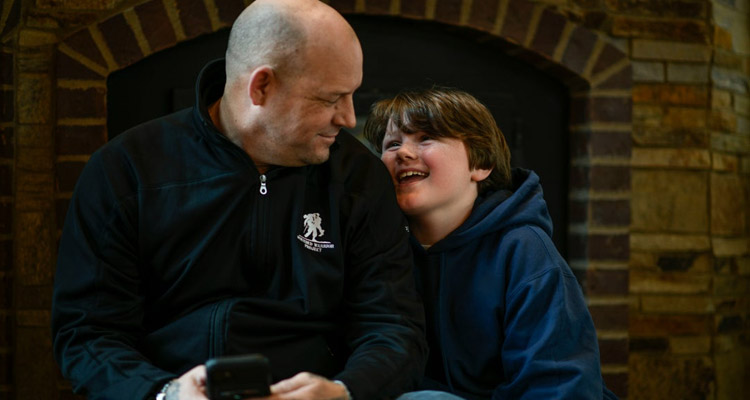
[(410, 173)]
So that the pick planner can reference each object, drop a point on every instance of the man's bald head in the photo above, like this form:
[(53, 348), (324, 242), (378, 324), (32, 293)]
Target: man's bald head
[(279, 33)]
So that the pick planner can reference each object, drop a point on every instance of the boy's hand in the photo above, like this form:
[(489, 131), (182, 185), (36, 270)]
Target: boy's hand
[(307, 386)]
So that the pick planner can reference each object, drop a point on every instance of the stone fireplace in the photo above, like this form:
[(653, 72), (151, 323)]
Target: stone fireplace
[(658, 157)]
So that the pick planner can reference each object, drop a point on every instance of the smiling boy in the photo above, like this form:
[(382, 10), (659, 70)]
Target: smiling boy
[(506, 318)]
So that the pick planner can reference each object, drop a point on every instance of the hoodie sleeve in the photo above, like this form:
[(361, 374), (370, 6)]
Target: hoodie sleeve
[(550, 348), (97, 308)]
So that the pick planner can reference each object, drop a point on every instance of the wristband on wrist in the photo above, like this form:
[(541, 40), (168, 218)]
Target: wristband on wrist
[(163, 392), (348, 394)]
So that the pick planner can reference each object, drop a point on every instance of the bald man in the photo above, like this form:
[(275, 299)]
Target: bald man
[(249, 223)]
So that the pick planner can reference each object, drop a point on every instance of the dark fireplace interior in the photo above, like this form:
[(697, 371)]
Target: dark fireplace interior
[(530, 107)]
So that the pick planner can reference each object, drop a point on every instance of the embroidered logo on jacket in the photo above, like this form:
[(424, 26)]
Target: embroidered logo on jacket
[(313, 230)]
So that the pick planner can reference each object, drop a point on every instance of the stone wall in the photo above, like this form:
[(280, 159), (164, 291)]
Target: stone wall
[(659, 190)]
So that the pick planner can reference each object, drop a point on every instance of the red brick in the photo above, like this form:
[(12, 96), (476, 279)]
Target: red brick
[(620, 80), (517, 20), (6, 142), (611, 109), (67, 174), (580, 144), (68, 68), (81, 103), (578, 211), (603, 282), (580, 177), (548, 33), (448, 11), (610, 317), (649, 344), (79, 139), (483, 14), (579, 48), (7, 108), (661, 29), (610, 212), (6, 255), (229, 10), (608, 178), (414, 8), (156, 25), (665, 325), (83, 43), (613, 351), (688, 95), (604, 143), (121, 40), (609, 247), (194, 17), (608, 57), (670, 8), (577, 247)]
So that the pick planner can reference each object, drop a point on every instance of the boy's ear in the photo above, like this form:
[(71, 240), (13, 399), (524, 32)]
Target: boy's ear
[(480, 174), (261, 81)]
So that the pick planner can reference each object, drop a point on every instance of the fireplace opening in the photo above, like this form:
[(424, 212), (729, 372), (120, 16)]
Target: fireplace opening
[(530, 106)]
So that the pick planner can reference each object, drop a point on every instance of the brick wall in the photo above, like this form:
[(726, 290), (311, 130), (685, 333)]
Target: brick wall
[(660, 157), (689, 275)]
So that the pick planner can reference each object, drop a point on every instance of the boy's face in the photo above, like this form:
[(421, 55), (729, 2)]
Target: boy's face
[(431, 174)]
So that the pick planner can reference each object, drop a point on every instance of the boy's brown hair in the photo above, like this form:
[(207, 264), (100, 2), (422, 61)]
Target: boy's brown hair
[(446, 112)]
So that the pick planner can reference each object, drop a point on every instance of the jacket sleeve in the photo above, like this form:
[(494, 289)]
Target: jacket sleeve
[(384, 314), (98, 301), (550, 348)]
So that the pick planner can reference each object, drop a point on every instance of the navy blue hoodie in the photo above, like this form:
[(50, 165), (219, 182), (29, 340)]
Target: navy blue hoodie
[(506, 317)]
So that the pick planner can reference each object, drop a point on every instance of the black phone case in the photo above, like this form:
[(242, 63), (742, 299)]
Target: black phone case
[(238, 377)]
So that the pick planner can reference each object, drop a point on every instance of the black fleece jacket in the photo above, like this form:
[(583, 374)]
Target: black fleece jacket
[(171, 254)]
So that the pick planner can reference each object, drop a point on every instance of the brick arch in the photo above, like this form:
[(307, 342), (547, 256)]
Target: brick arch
[(597, 72)]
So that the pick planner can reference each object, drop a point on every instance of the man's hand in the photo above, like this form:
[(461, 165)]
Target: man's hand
[(190, 386), (307, 386)]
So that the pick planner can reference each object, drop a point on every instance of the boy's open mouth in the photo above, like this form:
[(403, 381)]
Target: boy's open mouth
[(410, 176)]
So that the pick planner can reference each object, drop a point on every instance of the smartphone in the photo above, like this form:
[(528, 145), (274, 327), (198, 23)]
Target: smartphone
[(238, 377)]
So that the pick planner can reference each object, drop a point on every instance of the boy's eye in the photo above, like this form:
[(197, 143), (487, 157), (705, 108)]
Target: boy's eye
[(391, 144), (425, 137)]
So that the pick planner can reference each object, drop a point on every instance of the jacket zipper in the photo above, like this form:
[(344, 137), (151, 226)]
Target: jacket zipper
[(263, 188)]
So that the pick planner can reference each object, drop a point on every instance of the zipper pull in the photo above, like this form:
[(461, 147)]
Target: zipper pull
[(263, 189)]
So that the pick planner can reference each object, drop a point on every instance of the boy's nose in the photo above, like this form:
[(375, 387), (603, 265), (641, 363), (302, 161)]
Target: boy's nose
[(406, 152)]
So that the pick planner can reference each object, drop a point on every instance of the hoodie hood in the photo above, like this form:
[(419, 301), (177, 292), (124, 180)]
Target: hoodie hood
[(499, 210)]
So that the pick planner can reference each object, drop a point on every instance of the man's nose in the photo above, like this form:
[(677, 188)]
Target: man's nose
[(345, 113)]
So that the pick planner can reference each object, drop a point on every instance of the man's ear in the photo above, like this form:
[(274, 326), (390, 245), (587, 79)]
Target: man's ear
[(480, 174), (261, 82)]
